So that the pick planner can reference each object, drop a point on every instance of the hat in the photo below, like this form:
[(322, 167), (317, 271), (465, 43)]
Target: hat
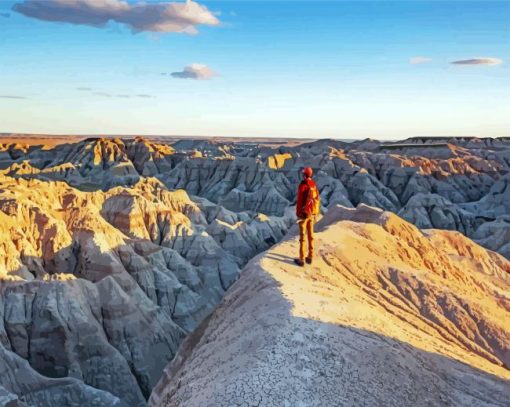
[(307, 171)]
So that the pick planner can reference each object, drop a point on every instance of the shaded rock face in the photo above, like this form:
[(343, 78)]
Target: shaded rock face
[(432, 211), (113, 250), (40, 390), (495, 235), (99, 288), (386, 315)]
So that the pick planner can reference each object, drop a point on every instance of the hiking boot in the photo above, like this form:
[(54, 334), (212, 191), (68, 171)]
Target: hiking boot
[(308, 260), (299, 262)]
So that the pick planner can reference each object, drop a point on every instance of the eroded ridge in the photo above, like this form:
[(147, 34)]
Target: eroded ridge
[(387, 315)]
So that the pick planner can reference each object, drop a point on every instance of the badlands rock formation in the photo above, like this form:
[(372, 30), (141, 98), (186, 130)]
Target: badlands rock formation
[(114, 250), (462, 183), (387, 315), (99, 288)]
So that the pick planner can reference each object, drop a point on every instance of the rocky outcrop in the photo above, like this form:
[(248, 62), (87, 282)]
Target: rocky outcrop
[(114, 250), (99, 288), (38, 390), (262, 178), (386, 315), (432, 211), (496, 202), (495, 235)]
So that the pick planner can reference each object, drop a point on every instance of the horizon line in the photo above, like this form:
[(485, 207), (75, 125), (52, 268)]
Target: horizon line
[(128, 136)]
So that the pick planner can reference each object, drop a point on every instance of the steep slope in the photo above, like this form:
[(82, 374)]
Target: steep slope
[(387, 315), (98, 289)]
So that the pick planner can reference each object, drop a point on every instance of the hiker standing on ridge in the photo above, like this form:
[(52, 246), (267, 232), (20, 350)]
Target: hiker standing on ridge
[(307, 206)]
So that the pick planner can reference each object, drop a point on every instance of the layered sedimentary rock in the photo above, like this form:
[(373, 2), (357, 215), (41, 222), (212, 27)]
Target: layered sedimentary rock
[(100, 288), (386, 315), (463, 181), (114, 250)]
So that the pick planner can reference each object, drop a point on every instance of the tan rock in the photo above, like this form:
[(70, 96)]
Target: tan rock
[(386, 315)]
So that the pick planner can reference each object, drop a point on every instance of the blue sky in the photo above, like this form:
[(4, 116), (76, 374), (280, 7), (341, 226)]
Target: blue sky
[(291, 69)]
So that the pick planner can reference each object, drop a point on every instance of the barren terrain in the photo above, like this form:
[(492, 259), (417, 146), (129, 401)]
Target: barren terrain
[(114, 250), (387, 315)]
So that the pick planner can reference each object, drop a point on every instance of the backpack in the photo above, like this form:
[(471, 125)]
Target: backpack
[(313, 200)]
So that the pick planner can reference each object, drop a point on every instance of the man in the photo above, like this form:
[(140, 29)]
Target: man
[(307, 206)]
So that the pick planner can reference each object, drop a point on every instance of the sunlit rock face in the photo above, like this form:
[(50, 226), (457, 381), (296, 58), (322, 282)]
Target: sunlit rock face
[(462, 183), (99, 288), (114, 250), (386, 315)]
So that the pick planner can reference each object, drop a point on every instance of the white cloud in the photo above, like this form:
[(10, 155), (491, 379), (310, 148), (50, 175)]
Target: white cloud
[(419, 60), (195, 71), (479, 61), (141, 16)]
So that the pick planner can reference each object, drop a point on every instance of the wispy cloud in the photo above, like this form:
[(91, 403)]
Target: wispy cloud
[(12, 97), (84, 89), (103, 94), (479, 61), (419, 60), (195, 71), (119, 95), (143, 16)]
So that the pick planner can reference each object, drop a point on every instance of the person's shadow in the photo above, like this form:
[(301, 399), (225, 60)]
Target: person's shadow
[(280, 257)]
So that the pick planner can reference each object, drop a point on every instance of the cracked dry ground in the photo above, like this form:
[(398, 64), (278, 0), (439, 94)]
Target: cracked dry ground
[(387, 315)]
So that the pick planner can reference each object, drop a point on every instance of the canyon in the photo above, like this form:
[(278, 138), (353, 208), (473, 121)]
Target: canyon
[(116, 250)]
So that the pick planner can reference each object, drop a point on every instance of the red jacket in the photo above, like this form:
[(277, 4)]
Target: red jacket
[(302, 195)]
